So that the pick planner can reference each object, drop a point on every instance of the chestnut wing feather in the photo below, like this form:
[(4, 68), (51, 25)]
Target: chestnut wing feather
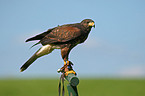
[(40, 36), (61, 34)]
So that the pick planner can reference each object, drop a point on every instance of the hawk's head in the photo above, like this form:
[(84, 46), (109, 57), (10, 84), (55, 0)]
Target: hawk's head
[(88, 23)]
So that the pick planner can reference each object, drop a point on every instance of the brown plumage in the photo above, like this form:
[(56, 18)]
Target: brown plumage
[(63, 37)]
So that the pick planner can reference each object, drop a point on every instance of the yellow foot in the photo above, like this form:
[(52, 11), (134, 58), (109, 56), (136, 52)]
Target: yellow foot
[(71, 71)]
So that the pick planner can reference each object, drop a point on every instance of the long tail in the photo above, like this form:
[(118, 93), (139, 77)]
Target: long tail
[(29, 62), (41, 52)]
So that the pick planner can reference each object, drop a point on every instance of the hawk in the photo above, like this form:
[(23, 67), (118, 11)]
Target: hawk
[(63, 37)]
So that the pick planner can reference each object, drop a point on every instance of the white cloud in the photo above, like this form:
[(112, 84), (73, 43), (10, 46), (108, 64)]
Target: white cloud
[(133, 71)]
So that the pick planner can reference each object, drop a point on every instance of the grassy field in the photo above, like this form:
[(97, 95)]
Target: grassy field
[(87, 87)]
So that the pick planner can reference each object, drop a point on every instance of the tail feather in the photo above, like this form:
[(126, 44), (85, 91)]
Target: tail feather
[(35, 44), (46, 49), (29, 62)]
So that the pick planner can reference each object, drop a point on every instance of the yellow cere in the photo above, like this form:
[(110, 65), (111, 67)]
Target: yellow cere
[(91, 24)]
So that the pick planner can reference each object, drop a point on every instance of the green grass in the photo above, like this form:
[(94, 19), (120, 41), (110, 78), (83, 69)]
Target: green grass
[(93, 87)]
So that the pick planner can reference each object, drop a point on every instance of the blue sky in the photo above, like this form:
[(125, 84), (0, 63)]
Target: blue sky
[(115, 48)]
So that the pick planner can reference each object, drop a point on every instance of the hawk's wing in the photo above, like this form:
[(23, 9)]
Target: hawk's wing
[(40, 36), (61, 34)]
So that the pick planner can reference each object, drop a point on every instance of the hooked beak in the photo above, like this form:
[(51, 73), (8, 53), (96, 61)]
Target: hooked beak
[(92, 24)]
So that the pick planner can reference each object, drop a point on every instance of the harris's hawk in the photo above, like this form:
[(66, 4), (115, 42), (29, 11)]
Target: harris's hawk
[(63, 37)]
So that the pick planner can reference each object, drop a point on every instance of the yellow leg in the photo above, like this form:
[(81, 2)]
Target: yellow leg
[(66, 62)]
